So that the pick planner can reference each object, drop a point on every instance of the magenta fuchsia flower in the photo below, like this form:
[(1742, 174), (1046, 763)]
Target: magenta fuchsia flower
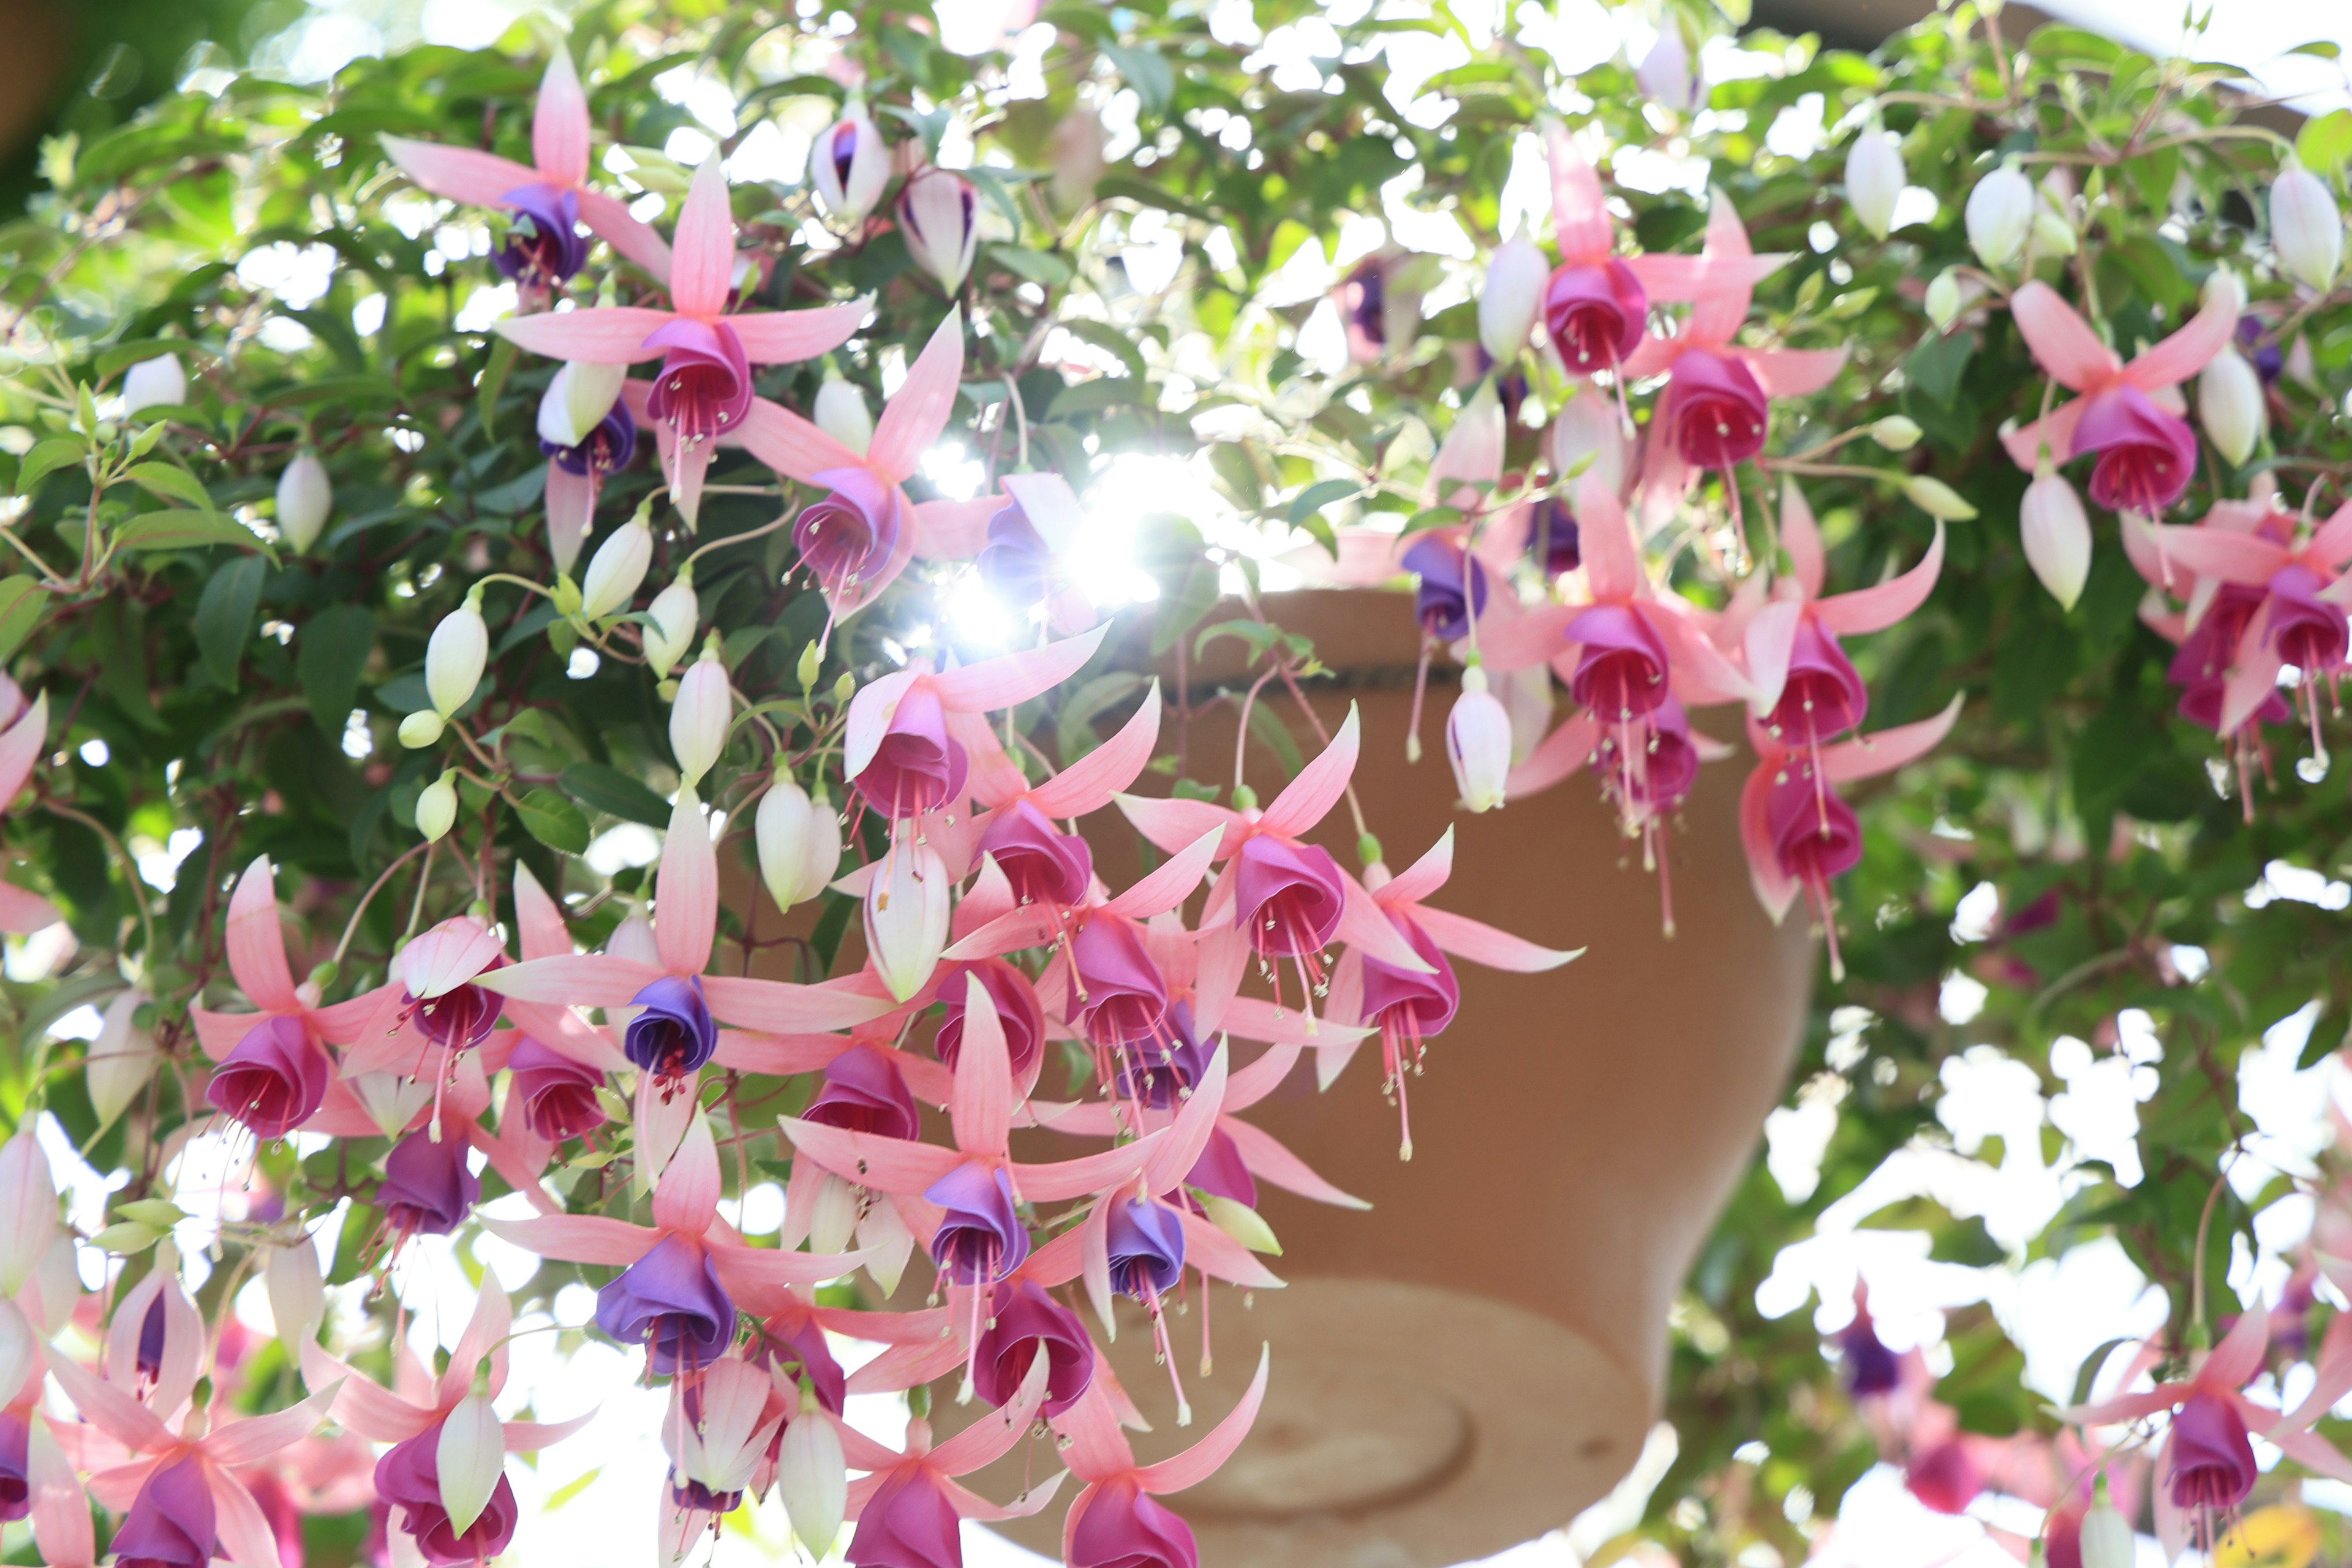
[(557, 1094), (1024, 1323), (1595, 307), (1114, 1521), (550, 196), (703, 392), (908, 1506), (2128, 415), (1018, 1012), (1798, 834)]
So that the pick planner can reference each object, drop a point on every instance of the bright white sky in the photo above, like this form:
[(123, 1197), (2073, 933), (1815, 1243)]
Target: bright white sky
[(2256, 34)]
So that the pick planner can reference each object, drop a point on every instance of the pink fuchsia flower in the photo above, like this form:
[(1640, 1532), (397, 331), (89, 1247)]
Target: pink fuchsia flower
[(1114, 1521), (2298, 618), (1025, 560), (448, 1457), (1798, 834), (703, 390), (681, 1277), (177, 1488), (550, 194), (2128, 414), (20, 747), (908, 1506), (1716, 412), (717, 1433), (1410, 1007), (1806, 689), (1595, 306), (579, 460), (859, 537)]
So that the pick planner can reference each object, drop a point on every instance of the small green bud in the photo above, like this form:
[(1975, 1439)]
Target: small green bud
[(421, 729), (567, 596), (1937, 499), (1368, 850), (1244, 798), (1895, 433), (811, 663), (845, 688)]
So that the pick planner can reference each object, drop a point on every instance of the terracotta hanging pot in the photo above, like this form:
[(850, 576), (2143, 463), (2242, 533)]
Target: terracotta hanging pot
[(1478, 1358)]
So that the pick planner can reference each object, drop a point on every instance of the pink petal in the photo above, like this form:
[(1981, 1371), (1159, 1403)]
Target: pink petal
[(1556, 755), (777, 1056), (787, 337), (2024, 445), (1221, 957), (611, 220), (1424, 876), (2239, 1356), (1482, 944), (888, 1164), (22, 913), (1029, 925), (1794, 373), (1173, 825), (563, 1031), (2063, 344), (242, 1442), (602, 335), (2332, 544), (703, 254), (1801, 537), (256, 947), (460, 173), (685, 889), (745, 1269), (954, 530), (1702, 675), (1521, 639), (2215, 552), (1364, 926), (570, 505), (2123, 1408), (60, 1511), (1655, 356), (1171, 883), (579, 980), (1613, 560), (1093, 1269), (686, 1195), (905, 1366), (558, 127), (979, 1509), (778, 1007), (870, 712), (1199, 1462), (2254, 674), (913, 418), (2187, 350), (1088, 784), (1091, 1442), (786, 442), (1011, 678), (103, 1405), (993, 1435), (1771, 637), (1579, 216), (1875, 609), (1085, 1175), (1305, 799), (1188, 1133), (1889, 750), (530, 1437), (1720, 309), (1269, 1161), (981, 1107), (245, 1536), (20, 747), (539, 924), (1471, 452), (1774, 889), (576, 1238), (360, 1405)]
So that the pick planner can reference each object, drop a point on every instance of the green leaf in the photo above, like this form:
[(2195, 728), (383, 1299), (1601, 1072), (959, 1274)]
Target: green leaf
[(1112, 342), (503, 354), (1034, 265), (1935, 365), (553, 820), (1146, 71), (225, 616), (21, 604), (331, 651), (45, 459), (2325, 142), (170, 483), (1102, 392), (179, 530), (1320, 494), (607, 789)]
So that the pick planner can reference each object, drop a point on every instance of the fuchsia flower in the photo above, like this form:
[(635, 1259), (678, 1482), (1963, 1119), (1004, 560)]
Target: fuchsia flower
[(1798, 834), (1114, 1521), (679, 1279), (273, 1071), (703, 391), (1717, 409), (2128, 414), (551, 195), (908, 1507), (1410, 1006), (445, 1471), (860, 536), (1595, 307), (20, 747)]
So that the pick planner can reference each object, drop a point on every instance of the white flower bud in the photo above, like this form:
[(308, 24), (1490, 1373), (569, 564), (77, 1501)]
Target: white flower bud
[(437, 808), (577, 400), (1937, 499), (120, 1061), (157, 383), (2052, 235), (2056, 536), (421, 729), (699, 717), (1514, 293), (28, 1209), (1668, 74), (812, 1480), (1241, 1222), (1588, 426), (2229, 403), (907, 916), (1943, 301), (840, 412), (2105, 1539), (672, 616), (305, 497), (1999, 214), (454, 657), (1478, 742), (798, 841), (2306, 229), (1873, 178), (848, 167), (939, 217), (468, 1459), (1895, 433), (616, 570), (297, 1294)]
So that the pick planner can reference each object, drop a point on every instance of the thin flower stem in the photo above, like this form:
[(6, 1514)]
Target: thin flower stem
[(352, 926), (760, 532)]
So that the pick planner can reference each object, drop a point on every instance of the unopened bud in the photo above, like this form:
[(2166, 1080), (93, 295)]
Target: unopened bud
[(468, 1459), (812, 1480), (840, 412), (1999, 214), (670, 622), (1937, 499), (799, 842), (28, 1208), (454, 655), (845, 688), (1478, 742), (2056, 536), (699, 718), (616, 570), (1943, 301), (1875, 178), (907, 917), (2306, 229), (121, 1061), (305, 497), (1895, 433), (161, 381), (811, 663), (2105, 1539), (1241, 1222), (421, 729), (576, 401), (437, 806), (297, 1294), (2229, 403), (1508, 304)]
